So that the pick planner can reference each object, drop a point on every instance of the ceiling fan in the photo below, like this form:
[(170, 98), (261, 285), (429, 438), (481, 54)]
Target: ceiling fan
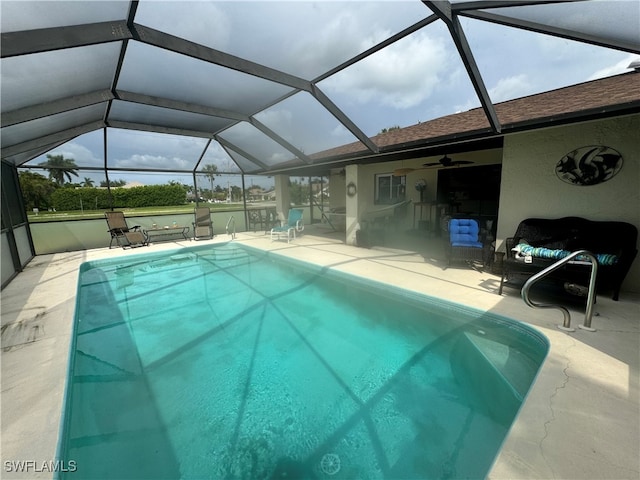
[(446, 162), (443, 162)]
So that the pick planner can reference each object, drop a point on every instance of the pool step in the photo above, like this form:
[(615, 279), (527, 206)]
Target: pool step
[(484, 367), (187, 260)]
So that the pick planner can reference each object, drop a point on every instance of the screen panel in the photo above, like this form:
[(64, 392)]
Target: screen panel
[(165, 117), (86, 151), (326, 33), (29, 15), (616, 21), (165, 74), (304, 123), (60, 122), (44, 77), (132, 149), (416, 79), (251, 140), (509, 74), (219, 158)]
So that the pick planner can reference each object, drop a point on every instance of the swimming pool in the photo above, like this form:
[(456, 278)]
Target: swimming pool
[(228, 362)]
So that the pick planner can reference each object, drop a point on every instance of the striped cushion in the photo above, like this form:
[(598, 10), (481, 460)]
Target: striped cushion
[(542, 252)]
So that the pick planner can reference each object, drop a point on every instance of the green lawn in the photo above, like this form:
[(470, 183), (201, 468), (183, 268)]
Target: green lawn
[(89, 214)]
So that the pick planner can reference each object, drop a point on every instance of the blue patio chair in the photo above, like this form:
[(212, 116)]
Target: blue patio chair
[(293, 225), (465, 243)]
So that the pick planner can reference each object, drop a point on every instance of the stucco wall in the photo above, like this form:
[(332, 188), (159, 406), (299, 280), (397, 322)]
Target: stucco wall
[(364, 177), (530, 187), (363, 203), (366, 184)]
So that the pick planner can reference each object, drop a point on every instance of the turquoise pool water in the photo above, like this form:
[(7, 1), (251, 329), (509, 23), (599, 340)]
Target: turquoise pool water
[(228, 362)]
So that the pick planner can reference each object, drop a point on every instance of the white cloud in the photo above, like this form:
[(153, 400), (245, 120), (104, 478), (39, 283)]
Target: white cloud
[(279, 157), (308, 38), (218, 156), (525, 63), (206, 23), (154, 150), (615, 69), (340, 131), (468, 105), (400, 76), (79, 153), (510, 87), (343, 37), (279, 120), (153, 162)]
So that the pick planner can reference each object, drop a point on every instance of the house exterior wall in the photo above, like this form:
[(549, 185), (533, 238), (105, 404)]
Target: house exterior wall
[(429, 213), (353, 204), (530, 187), (364, 201), (283, 199)]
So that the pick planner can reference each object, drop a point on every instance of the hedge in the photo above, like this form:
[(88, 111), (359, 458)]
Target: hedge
[(98, 198)]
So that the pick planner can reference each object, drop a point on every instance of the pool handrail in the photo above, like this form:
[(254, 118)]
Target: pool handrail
[(231, 220), (566, 325)]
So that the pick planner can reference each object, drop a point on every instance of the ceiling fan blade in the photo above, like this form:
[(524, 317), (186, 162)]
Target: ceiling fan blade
[(446, 162)]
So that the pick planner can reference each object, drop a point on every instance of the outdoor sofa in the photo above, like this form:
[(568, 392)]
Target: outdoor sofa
[(545, 241)]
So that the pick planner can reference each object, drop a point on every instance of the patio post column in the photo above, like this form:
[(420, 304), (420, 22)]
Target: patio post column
[(283, 200), (354, 198)]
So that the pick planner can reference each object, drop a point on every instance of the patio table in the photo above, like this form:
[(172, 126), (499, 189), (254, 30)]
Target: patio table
[(166, 231)]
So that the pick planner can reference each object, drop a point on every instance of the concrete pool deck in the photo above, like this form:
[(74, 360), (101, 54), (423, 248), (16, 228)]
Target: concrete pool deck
[(581, 419)]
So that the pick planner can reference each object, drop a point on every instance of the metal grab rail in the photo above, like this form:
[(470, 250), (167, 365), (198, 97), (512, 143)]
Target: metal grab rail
[(566, 325), (233, 234)]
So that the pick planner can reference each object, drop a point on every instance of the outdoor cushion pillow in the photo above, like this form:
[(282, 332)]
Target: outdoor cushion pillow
[(524, 249), (463, 232)]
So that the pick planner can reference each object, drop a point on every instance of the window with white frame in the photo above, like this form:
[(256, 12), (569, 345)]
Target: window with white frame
[(389, 189)]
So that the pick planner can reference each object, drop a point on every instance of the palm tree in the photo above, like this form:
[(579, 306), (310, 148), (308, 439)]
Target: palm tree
[(88, 182), (60, 168), (210, 170)]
